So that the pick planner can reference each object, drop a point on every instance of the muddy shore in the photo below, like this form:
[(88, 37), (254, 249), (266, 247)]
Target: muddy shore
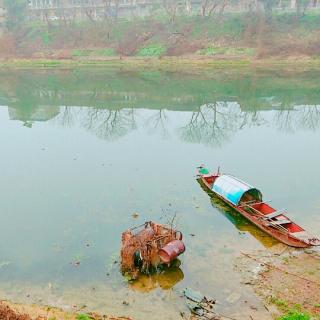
[(286, 279), (283, 278), (11, 311)]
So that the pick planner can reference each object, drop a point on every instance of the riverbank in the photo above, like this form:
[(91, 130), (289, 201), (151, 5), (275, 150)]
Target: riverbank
[(286, 279), (244, 34), (11, 311)]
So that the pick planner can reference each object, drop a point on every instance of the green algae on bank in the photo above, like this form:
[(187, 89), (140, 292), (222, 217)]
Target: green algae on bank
[(165, 63)]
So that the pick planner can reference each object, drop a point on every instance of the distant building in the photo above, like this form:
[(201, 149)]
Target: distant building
[(83, 9)]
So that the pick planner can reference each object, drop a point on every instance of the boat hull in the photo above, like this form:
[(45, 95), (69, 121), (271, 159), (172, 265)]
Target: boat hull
[(282, 237)]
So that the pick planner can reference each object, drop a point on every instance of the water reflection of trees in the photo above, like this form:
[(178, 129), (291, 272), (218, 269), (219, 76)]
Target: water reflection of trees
[(299, 117), (158, 122), (216, 104), (110, 123), (213, 123), (66, 116)]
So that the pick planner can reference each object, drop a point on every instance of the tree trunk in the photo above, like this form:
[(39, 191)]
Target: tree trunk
[(267, 5), (188, 7), (204, 5), (224, 4)]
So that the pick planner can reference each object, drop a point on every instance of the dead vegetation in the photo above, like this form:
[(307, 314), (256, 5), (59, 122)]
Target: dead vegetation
[(6, 313), (10, 311)]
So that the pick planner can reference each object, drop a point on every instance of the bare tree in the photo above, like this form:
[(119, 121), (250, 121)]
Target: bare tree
[(207, 7), (301, 7), (268, 9), (188, 6), (171, 8)]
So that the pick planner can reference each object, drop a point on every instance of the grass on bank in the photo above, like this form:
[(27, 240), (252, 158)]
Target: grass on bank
[(151, 50), (83, 316), (295, 312), (190, 64), (295, 315), (104, 52)]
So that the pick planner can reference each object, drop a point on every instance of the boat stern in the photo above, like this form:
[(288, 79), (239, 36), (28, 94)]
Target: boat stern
[(307, 238)]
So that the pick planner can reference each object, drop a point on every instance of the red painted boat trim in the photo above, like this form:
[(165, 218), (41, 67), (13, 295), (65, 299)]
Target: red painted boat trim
[(285, 234)]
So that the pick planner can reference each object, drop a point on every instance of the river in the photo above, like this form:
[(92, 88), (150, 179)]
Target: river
[(88, 152)]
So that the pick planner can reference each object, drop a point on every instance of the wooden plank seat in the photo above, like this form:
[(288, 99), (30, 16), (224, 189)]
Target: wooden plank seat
[(279, 222), (273, 214)]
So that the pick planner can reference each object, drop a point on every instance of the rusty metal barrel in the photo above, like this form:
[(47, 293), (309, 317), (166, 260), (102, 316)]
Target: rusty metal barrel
[(171, 251)]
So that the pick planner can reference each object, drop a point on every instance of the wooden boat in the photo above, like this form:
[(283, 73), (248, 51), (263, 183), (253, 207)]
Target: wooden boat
[(247, 200)]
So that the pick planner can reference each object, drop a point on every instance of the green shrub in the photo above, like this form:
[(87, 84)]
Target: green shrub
[(106, 52), (46, 38), (152, 50), (83, 316), (295, 315)]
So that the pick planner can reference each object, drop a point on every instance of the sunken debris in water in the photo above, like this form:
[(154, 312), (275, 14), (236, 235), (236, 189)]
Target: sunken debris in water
[(146, 247)]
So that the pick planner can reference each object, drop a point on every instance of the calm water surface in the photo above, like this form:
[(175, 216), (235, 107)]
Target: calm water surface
[(82, 150)]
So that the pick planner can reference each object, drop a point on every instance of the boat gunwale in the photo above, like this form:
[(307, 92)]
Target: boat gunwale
[(281, 236)]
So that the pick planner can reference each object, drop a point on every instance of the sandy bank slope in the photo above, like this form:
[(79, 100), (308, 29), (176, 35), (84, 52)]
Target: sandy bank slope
[(10, 311), (287, 278)]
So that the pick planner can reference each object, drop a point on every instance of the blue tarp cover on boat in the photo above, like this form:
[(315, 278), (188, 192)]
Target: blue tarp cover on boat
[(232, 189)]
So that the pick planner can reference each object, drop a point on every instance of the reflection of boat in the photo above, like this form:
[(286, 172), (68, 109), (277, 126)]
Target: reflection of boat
[(168, 278), (241, 223), (247, 200)]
